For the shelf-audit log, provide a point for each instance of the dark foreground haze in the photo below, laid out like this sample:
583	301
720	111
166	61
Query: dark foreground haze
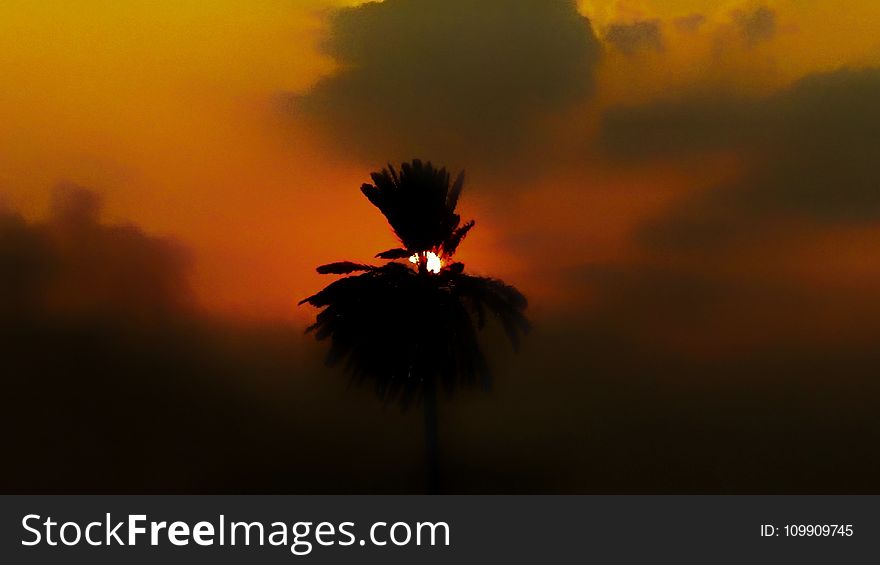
686	191
115	383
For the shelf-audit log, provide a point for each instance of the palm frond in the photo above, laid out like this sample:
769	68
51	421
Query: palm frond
343	268
455	193
450	246
418	203
392	254
503	301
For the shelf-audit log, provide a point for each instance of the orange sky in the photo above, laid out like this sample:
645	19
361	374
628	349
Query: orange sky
167	109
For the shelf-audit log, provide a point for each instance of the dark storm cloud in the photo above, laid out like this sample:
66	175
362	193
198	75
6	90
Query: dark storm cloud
811	150
631	38
450	79
707	270
73	264
690	23
695	123
756	25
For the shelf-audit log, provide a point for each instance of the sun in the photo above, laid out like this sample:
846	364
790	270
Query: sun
433	262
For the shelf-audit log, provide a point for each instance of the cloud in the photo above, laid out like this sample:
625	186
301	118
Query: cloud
631	38
756	25
743	262
450	80
72	264
811	150
690	23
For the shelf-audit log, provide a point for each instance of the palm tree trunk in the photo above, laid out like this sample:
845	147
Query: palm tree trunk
431	439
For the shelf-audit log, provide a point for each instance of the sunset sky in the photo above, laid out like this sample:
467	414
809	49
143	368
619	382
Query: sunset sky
621	155
687	191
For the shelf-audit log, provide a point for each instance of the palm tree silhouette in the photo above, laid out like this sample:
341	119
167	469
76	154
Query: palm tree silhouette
411	324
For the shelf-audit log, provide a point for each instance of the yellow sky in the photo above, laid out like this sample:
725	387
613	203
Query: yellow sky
165	107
